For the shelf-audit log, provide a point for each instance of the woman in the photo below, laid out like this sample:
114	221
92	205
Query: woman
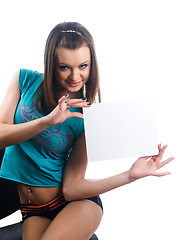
42	125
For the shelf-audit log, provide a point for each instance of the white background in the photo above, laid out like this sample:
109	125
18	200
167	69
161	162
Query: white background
137	49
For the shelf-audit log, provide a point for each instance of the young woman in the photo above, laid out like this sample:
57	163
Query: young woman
42	128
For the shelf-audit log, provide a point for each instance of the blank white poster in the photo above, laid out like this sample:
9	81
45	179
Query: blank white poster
122	129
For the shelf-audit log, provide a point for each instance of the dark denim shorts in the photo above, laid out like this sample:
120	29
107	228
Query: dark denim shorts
51	209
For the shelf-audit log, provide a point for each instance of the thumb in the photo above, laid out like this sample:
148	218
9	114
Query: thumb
161	174
76	114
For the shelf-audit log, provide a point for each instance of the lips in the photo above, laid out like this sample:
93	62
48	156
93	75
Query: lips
74	84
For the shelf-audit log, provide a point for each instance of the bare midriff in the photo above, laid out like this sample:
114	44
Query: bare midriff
37	195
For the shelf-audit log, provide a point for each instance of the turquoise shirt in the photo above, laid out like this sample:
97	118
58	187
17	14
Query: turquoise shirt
39	161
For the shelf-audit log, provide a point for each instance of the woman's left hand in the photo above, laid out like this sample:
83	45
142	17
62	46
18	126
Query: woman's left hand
148	166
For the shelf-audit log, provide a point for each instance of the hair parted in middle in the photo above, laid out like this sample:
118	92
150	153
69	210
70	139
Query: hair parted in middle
70	35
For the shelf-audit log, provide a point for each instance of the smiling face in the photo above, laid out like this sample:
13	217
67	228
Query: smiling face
72	69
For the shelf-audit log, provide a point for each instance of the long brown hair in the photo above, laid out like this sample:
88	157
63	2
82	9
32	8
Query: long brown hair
70	35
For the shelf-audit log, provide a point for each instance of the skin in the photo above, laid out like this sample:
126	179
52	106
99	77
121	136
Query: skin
72	70
82	216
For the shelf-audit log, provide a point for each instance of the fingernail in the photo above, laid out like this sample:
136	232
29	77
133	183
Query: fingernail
89	104
84	98
66	94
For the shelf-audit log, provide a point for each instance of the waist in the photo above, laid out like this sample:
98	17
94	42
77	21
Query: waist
37	195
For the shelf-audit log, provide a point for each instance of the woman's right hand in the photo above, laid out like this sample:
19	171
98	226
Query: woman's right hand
11	134
61	112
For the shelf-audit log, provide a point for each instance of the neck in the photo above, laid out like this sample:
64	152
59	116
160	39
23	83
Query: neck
72	95
75	95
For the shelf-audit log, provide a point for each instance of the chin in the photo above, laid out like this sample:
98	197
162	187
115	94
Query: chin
74	89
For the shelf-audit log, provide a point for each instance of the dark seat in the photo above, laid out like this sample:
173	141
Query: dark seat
11	232
9	203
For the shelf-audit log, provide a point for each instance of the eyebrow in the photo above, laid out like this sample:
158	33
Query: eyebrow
62	63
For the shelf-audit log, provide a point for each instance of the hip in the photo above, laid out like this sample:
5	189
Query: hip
51	209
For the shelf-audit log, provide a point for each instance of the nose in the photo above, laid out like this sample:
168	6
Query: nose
75	75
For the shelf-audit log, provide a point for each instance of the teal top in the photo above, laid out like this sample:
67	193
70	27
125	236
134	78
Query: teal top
39	161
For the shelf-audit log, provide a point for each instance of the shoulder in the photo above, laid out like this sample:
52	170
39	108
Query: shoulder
27	78
28	73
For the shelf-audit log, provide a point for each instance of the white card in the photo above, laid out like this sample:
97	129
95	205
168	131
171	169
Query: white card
116	130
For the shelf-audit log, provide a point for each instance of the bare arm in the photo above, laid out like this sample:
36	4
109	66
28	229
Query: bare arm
75	186
11	133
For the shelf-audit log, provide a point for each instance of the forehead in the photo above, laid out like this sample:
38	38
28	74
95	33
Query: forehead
73	56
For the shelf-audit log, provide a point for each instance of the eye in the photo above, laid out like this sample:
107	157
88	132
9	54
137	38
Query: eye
63	68
83	66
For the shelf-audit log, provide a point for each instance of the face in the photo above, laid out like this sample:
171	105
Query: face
72	69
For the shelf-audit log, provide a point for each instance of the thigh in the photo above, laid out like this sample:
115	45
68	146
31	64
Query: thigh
77	221
34	227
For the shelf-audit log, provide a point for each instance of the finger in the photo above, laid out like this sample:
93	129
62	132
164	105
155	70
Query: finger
161	153
63	98
75	101
145	158
162	164
161	174
81	105
62	102
153	157
78	103
67	102
159	147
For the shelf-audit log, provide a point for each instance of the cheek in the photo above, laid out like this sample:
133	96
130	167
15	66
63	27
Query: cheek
61	76
87	74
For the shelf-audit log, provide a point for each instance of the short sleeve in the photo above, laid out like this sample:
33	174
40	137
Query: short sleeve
27	78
